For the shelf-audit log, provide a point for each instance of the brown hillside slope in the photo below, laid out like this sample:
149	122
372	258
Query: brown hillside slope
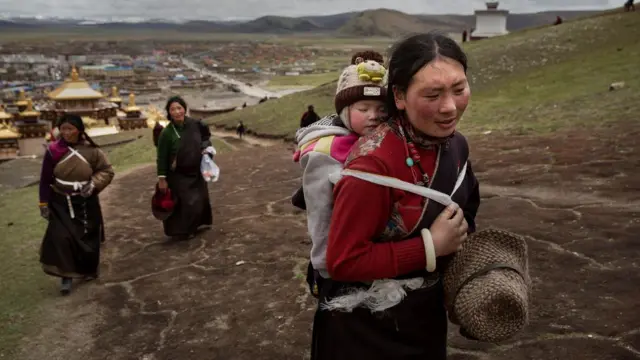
390	23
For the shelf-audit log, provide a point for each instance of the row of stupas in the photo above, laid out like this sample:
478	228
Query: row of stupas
74	96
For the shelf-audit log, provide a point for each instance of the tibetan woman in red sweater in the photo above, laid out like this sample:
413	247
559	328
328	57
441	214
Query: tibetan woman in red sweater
385	299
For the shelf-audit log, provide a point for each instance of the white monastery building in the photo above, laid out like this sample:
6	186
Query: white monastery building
490	22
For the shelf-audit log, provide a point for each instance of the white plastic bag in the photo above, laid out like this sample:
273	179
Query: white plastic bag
210	171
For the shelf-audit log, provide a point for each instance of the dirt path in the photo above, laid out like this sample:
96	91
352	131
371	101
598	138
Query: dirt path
231	139
237	291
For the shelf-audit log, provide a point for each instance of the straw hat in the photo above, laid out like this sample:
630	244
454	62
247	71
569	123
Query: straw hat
487	286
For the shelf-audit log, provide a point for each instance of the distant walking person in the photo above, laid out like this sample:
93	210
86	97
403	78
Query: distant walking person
180	150
157	130
628	6
309	117
464	35
240	129
74	171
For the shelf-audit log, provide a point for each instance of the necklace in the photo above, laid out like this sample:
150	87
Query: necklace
413	159
176	131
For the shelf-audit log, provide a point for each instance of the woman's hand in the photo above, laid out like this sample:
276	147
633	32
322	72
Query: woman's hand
44	212
162	184
449	230
205	152
87	190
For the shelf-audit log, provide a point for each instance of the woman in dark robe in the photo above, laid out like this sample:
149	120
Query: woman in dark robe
74	172
385	299
180	150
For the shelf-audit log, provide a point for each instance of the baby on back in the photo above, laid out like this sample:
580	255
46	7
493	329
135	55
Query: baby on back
324	146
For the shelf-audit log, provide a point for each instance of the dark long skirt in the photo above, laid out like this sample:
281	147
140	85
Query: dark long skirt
415	329
71	246
193	208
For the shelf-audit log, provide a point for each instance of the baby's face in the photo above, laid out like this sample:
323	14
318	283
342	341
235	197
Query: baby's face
366	115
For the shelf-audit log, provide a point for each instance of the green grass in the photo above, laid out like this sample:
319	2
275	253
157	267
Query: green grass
303	80
280	117
122	136
534	81
129	155
24	287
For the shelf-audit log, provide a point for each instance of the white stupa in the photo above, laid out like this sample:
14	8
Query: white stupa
490	22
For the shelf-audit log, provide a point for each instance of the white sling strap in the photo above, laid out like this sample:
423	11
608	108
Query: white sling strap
77	185
386	293
434	195
73	152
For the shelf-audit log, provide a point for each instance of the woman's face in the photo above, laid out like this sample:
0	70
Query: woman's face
69	133
436	98
177	112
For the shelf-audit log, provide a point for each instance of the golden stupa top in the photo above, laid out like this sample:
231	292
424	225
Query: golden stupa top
114	95
4	115
22	98
75	88
7	132
30	111
132	104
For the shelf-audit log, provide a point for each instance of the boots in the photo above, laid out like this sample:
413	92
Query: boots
65	287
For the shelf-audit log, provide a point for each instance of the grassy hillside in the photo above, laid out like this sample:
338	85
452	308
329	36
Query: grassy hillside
381	22
515	21
280	117
279	24
534	80
389	23
303	80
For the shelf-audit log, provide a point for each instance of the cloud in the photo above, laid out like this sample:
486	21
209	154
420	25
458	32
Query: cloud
245	9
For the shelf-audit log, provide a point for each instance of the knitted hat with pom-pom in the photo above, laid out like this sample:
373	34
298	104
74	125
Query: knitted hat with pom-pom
365	80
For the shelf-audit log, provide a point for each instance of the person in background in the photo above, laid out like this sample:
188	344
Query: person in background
180	149
240	129
309	117
74	172
384	297
628	6
157	130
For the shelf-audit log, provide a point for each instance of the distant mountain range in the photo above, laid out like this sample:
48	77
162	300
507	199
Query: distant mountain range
377	22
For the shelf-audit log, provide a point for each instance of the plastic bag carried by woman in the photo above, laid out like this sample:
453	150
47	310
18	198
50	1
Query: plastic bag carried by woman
210	171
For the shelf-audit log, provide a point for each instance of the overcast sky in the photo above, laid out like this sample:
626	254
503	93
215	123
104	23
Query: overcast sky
244	9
